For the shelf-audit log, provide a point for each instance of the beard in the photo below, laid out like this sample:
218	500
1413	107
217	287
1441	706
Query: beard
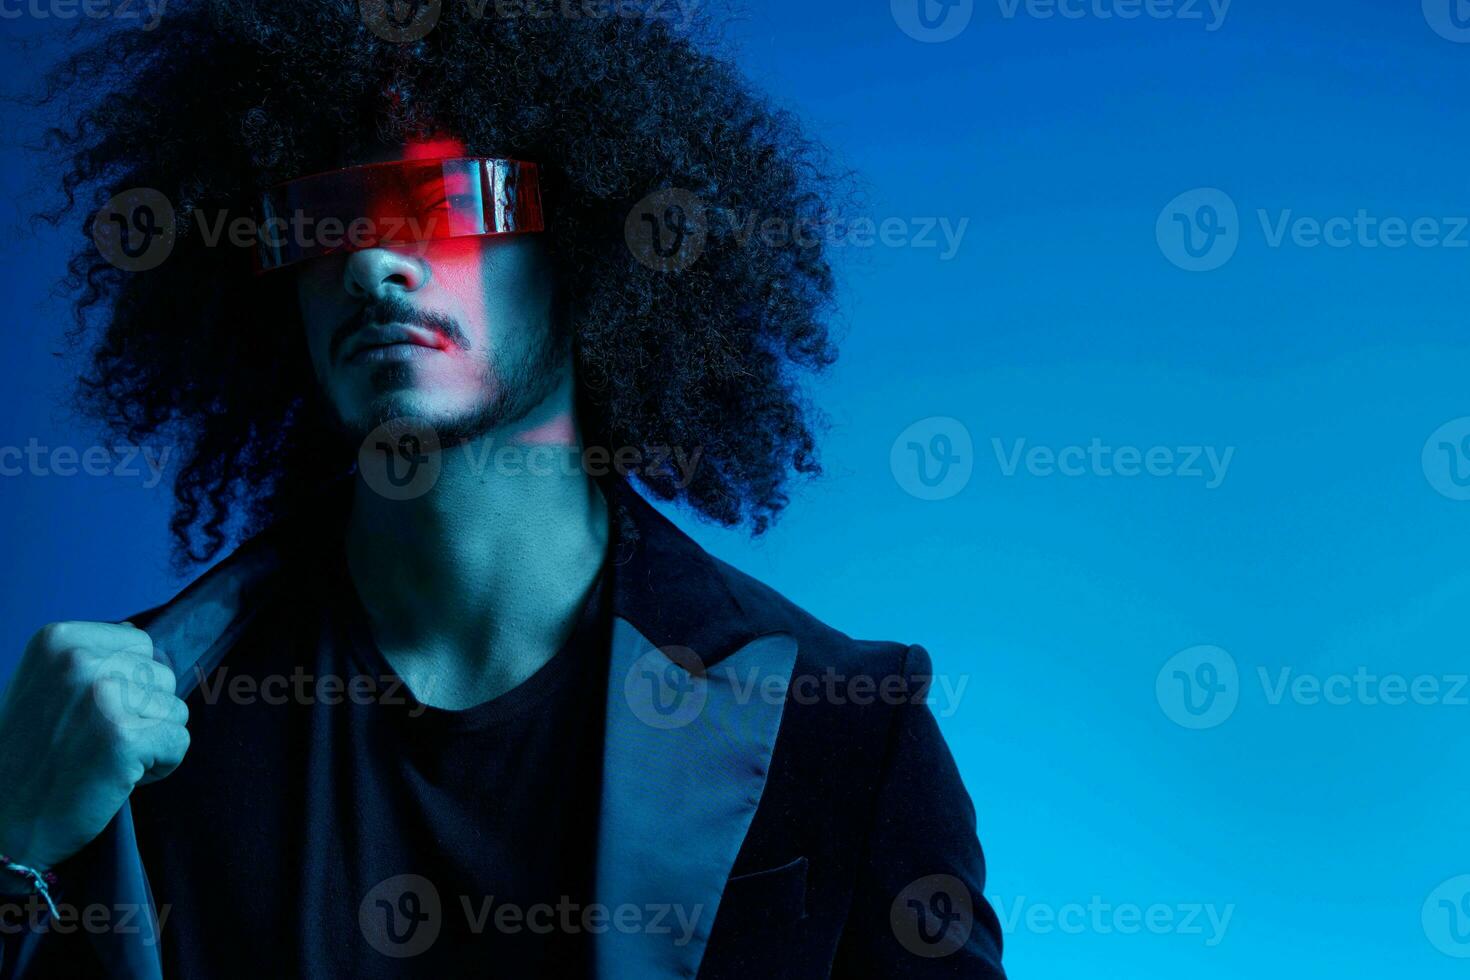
511	389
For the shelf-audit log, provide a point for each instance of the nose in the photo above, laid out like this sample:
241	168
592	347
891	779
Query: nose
375	272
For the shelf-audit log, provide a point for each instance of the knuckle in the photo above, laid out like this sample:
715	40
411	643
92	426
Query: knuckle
163	676
53	636
81	657
172	743
109	687
72	665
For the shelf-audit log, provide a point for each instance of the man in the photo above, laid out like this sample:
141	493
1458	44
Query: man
464	704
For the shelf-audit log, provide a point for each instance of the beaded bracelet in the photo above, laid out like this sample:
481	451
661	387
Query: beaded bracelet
41	881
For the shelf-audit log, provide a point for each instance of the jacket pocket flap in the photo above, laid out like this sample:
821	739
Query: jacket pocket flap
775	894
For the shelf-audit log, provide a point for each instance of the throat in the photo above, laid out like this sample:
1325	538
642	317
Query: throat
456	679
467	603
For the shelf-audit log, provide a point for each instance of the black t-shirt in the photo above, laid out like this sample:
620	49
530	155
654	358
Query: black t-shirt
326	823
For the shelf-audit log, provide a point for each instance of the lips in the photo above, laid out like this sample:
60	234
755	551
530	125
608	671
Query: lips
381	336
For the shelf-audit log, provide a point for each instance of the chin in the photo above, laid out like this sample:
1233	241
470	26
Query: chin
437	422
388	399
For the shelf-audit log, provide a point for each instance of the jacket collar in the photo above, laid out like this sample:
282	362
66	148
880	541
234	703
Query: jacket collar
662	582
669	588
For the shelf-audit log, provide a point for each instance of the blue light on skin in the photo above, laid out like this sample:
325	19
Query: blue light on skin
472	584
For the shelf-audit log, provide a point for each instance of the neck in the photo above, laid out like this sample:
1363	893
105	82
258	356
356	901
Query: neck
477	582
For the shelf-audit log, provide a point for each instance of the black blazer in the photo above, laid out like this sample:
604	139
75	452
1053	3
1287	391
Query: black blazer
781	781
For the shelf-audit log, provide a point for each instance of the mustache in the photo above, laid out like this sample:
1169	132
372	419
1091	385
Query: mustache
388	310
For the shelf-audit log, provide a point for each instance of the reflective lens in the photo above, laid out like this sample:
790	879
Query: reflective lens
399	203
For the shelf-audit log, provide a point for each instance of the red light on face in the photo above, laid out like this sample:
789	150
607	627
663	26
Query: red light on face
417	199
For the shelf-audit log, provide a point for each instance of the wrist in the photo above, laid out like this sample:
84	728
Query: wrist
33	879
18	848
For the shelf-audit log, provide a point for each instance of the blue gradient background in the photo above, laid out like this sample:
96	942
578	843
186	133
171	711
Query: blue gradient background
1326	549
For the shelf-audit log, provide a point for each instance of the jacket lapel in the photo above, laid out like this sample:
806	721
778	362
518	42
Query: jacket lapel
695	699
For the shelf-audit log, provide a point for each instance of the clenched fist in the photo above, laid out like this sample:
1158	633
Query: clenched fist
88	716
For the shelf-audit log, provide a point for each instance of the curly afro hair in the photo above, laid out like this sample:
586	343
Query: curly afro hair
226	97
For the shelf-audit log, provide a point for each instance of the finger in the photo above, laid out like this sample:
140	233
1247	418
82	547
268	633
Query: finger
166	708
136	670
102	637
132	697
163	747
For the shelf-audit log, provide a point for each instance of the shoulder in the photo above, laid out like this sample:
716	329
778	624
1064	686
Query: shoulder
833	669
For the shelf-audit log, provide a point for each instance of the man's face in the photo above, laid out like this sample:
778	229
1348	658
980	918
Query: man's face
457	333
